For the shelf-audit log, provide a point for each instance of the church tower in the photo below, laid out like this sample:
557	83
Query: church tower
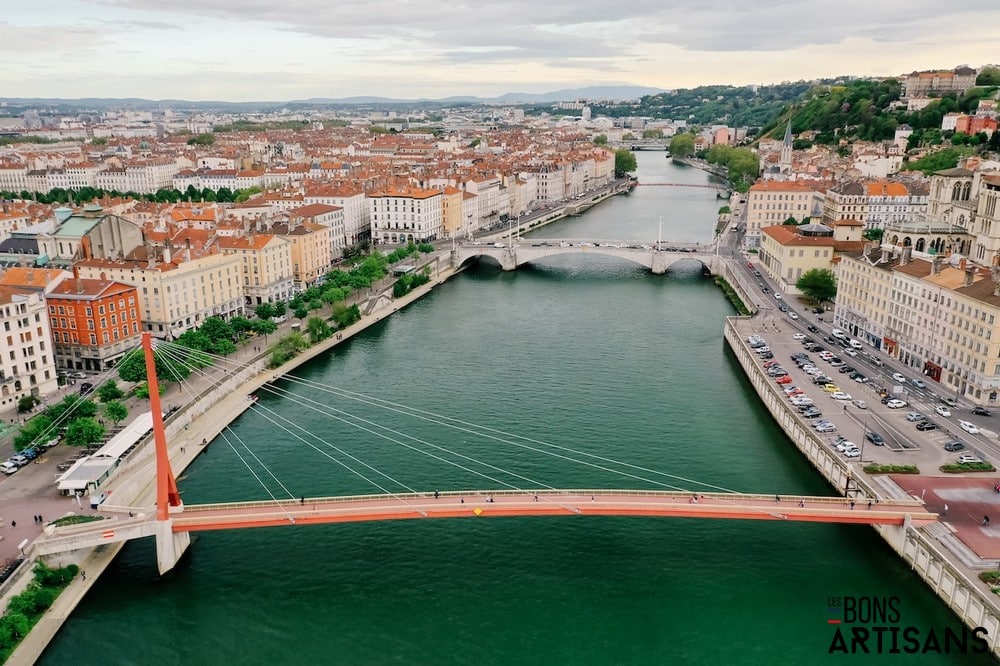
786	150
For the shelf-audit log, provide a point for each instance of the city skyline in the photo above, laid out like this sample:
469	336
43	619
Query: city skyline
223	50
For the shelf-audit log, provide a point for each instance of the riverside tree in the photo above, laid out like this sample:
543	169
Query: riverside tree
819	284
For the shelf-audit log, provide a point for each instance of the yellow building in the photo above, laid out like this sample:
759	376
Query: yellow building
311	245
267	266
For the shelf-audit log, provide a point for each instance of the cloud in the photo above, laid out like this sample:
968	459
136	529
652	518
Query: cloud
48	38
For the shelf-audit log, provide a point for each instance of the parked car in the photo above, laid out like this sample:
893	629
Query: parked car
918	383
777	295
915	417
7	467
840	395
967	458
896	404
982	411
847	368
785	379
927	425
826	427
799	336
970	428
875	438
852	453
19	460
860	404
817	310
831	388
954	446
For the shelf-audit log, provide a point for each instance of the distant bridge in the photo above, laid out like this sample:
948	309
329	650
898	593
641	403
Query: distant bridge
645	254
709	187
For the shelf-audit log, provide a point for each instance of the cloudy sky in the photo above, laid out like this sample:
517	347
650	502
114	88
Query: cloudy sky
243	50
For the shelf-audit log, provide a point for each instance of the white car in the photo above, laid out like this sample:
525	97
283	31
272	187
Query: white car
852	453
860	404
799	336
968	427
792	315
826	427
899	378
840	395
968	458
942	410
826	355
844	445
895	404
851	352
777	295
915	417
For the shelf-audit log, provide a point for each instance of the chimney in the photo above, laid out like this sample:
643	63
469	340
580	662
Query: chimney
935	265
885	255
904	256
970	275
150	255
79	286
166	252
963	262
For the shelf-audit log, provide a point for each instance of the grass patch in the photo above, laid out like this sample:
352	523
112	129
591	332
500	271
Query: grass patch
26	608
74	520
732	295
891	469
956	468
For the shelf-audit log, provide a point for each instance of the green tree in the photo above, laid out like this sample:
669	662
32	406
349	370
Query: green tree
873	234
35	431
264	327
115	411
601	140
819	284
988	76
318	329
264	311
652	134
624	162
301	312
206	139
84	432
26	403
682	145
109	391
791	221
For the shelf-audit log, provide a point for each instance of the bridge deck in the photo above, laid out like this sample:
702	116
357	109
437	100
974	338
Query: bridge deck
479	504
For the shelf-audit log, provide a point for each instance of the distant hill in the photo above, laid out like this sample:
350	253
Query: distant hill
566	95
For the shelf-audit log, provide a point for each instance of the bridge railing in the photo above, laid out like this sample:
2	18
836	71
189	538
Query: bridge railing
594	492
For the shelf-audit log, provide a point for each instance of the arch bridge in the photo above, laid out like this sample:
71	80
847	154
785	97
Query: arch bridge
645	254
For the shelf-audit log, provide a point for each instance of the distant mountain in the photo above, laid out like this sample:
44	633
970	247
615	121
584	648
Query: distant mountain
565	95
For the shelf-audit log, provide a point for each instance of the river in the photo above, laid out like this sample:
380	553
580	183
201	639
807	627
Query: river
592	354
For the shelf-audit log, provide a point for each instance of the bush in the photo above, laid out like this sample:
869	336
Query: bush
24	609
75	520
955	468
891	469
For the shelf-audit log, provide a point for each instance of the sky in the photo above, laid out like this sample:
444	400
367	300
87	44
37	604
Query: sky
268	50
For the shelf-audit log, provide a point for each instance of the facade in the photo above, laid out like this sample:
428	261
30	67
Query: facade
771	202
922	84
27	362
94	323
327	216
406	214
785	254
311	250
940	317
267	266
176	294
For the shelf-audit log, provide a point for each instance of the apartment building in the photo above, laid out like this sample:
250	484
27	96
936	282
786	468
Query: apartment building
267	266
404	214
27	363
94	323
772	202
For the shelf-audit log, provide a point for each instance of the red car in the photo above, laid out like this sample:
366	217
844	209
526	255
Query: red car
749	265
787	379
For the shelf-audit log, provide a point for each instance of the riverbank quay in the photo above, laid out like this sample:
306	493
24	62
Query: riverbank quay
209	405
932	552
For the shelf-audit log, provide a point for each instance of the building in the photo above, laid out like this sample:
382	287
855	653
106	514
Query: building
406	214
267	266
94	323
940	317
922	84
311	249
27	363
772	202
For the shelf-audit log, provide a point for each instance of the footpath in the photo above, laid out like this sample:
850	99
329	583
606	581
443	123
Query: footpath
227	396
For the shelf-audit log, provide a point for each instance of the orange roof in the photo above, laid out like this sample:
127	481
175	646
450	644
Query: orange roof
84	287
255	242
787	234
30	278
886	188
782	186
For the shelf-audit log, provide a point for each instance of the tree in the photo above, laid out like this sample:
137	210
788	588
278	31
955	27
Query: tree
264	311
301	312
791	221
624	162
988	76
35	431
202	140
84	432
264	327
819	284
115	411
652	134
873	234
318	329
682	145
27	403
109	391
601	140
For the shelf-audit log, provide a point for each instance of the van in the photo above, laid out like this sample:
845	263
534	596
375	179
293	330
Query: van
837	333
874	360
855	344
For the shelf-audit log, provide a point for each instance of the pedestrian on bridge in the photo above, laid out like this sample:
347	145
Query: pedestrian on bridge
986	521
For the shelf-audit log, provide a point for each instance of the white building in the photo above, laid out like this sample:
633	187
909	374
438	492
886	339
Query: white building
27	364
404	214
